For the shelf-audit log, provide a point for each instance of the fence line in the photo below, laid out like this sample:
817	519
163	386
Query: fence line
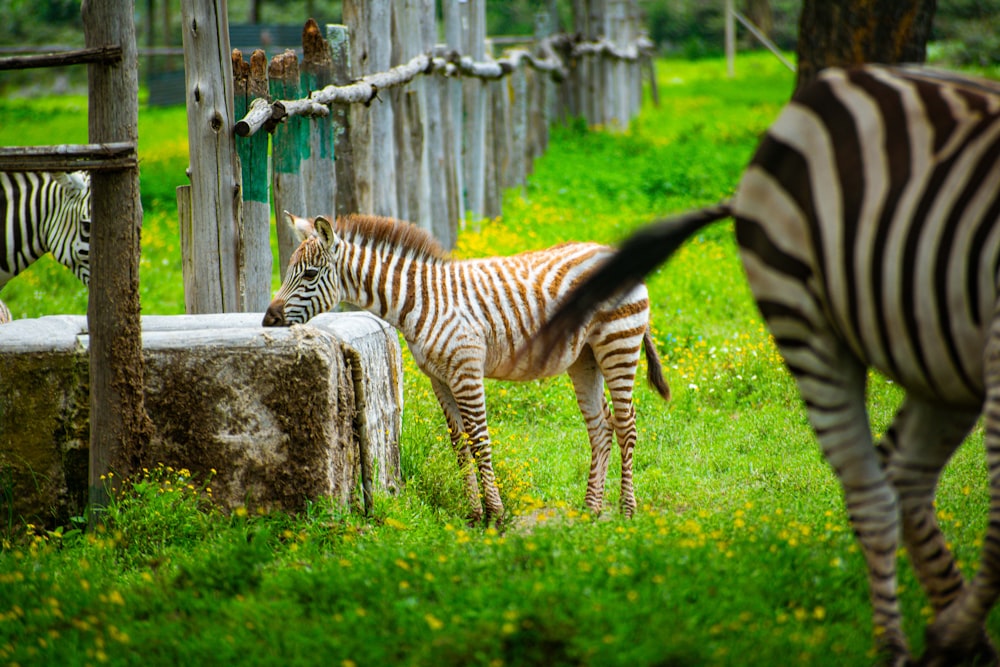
434	135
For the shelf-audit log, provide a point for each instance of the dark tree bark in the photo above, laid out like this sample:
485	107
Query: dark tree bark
851	32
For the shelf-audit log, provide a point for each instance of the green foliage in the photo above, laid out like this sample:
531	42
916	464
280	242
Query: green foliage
740	547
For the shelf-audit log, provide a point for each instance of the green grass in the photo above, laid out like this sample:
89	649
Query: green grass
740	552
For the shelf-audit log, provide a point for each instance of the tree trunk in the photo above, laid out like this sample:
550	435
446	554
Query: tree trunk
119	427
851	32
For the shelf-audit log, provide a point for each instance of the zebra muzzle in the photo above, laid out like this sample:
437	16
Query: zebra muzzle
275	314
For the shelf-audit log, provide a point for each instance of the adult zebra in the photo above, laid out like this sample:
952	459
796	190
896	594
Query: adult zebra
465	320
44	212
868	223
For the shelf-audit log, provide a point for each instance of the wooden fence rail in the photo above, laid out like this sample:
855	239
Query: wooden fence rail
409	128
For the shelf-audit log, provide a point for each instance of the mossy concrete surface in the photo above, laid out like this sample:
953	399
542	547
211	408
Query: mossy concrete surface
281	415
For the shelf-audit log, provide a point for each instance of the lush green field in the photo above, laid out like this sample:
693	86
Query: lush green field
740	553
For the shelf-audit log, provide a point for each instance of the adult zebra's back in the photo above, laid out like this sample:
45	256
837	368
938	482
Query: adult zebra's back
868	223
44	212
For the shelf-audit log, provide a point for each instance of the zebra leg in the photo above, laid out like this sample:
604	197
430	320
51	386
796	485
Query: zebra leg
958	633
618	365
471	404
5	315
588	383
832	384
915	450
461	445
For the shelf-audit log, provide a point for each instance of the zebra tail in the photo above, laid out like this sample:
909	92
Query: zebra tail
654	369
637	257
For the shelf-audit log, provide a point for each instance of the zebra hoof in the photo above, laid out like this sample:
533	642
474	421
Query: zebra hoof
977	652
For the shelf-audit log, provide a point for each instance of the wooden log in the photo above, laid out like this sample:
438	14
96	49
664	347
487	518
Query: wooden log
289	147
106	55
250	85
215	178
345	193
120	428
114	155
320	174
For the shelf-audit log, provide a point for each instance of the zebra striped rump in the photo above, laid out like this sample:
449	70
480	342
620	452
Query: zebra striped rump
466	320
868	223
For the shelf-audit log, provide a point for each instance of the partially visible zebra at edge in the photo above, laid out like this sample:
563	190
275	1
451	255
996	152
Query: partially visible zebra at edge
44	212
464	320
868	223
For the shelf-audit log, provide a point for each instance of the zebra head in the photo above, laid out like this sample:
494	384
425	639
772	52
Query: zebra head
68	229
312	281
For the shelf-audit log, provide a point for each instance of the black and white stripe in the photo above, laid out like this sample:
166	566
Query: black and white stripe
467	320
868	223
44	212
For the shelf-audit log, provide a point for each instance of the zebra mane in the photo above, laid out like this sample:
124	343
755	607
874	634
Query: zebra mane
397	235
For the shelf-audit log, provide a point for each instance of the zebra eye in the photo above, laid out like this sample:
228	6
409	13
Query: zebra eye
310	273
85	224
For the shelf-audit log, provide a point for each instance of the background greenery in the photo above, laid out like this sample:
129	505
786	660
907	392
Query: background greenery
740	552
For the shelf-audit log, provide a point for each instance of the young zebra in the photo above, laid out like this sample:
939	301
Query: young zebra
44	212
868	223
464	320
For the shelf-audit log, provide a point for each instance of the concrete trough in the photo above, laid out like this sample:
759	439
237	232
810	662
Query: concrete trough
282	415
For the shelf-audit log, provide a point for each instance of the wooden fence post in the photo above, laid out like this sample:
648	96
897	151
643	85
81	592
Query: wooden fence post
119	426
320	174
455	14
410	108
476	111
250	83
345	193
215	183
443	209
370	24
546	91
289	147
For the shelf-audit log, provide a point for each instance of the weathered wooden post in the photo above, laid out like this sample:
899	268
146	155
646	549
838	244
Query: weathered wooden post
119	427
289	147
444	194
546	89
413	188
455	16
345	193
369	22
250	83
212	281
476	112
320	174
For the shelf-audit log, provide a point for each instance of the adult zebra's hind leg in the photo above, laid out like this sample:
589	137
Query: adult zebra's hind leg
958	633
588	383
915	450
460	443
832	384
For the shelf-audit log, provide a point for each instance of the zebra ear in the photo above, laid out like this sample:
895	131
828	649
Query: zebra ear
303	227
76	182
324	230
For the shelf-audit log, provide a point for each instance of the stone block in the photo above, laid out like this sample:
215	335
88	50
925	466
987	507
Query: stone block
282	415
